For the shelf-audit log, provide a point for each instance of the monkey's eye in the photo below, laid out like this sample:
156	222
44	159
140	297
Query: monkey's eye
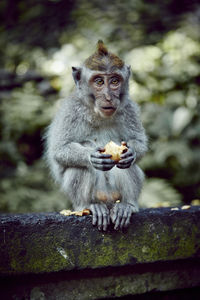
99	81
115	81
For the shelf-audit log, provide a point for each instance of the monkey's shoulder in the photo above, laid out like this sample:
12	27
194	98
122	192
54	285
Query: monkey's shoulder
131	112
69	120
132	107
132	120
70	110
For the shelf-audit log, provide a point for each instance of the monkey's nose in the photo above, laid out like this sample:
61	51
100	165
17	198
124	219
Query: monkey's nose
108	96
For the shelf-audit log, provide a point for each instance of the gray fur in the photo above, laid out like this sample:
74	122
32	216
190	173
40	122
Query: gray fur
74	134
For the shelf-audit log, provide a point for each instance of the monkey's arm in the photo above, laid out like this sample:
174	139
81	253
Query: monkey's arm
73	155
139	145
77	155
65	144
137	139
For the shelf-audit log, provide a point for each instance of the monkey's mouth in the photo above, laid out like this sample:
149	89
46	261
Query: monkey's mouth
108	110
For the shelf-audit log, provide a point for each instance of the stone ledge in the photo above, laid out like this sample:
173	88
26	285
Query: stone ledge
50	242
145	280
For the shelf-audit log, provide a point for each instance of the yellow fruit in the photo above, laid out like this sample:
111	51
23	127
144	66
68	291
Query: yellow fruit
115	150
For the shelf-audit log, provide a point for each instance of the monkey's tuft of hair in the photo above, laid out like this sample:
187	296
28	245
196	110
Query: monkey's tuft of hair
103	60
101	48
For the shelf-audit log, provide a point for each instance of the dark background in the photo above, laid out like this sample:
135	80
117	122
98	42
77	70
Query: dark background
41	40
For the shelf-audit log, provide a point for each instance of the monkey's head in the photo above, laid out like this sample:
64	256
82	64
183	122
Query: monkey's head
102	81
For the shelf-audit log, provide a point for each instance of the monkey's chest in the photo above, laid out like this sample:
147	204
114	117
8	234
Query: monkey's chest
102	137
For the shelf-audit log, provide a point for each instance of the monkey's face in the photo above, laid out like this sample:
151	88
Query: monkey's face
106	89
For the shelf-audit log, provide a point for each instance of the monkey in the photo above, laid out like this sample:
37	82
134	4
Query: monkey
99	110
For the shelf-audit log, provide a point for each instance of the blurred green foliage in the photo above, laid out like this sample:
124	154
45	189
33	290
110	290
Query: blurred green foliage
41	40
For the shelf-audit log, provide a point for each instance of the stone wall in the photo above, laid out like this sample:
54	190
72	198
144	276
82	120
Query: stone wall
51	256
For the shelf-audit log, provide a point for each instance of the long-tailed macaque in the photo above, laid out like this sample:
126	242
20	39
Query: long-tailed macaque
99	111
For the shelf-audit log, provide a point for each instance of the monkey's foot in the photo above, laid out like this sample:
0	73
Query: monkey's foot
101	216
121	214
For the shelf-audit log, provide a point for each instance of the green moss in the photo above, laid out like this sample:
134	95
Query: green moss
148	246
47	249
30	256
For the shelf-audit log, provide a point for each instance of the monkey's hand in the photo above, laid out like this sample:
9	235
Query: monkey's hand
121	214
101	216
101	161
126	159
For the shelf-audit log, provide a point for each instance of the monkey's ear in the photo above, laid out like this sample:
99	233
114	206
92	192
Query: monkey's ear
76	73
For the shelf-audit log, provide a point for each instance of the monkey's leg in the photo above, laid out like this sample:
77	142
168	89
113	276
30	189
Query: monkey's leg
129	183
79	185
101	215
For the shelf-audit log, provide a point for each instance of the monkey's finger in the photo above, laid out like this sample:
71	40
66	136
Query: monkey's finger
107	161
105	221
100	218
106	217
94	219
125	155
107	213
128	219
124	218
102	164
101	214
102	161
130	152
123	166
118	219
113	214
127	158
103	167
94	214
125	162
100	155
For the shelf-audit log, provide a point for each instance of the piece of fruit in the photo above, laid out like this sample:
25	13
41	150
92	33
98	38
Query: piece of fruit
115	150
